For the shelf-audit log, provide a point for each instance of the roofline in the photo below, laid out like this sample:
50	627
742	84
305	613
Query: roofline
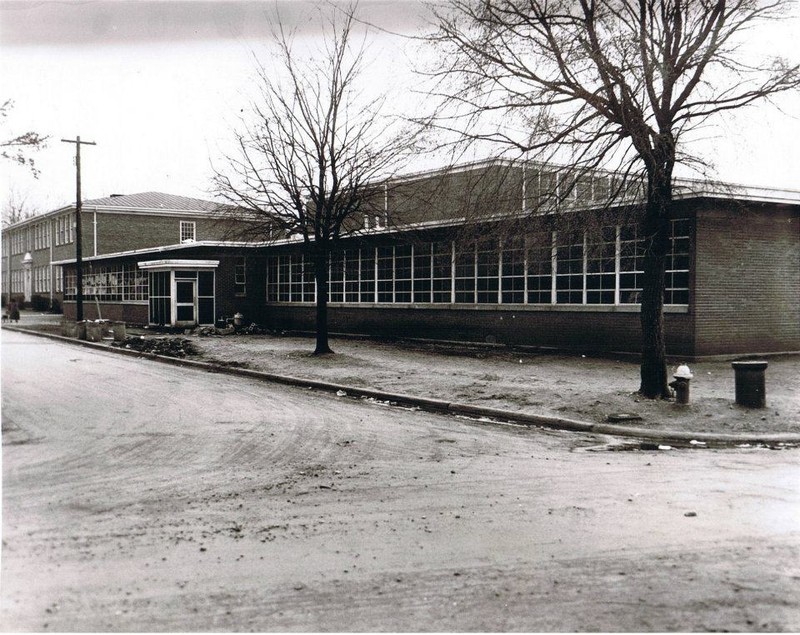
111	209
163	248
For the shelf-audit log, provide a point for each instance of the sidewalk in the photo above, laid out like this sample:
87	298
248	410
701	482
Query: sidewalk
573	387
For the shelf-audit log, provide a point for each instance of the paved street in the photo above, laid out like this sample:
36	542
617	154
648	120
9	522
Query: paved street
141	496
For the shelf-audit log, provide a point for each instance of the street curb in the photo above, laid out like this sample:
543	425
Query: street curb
442	407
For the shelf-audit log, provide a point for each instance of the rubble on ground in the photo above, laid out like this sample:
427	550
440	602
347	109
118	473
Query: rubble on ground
167	346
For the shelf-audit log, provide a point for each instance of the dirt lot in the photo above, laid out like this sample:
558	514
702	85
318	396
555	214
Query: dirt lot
584	388
574	386
142	497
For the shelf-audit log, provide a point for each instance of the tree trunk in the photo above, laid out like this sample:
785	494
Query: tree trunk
656	228
321	277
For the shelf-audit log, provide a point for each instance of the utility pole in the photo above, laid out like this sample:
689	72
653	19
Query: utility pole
78	227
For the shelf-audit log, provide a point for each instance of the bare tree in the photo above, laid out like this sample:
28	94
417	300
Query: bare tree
618	83
17	208
15	148
312	152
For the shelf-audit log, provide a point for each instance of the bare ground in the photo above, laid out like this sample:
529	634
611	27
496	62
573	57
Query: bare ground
574	386
585	388
139	497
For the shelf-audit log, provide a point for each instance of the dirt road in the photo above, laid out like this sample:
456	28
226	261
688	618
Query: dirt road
138	496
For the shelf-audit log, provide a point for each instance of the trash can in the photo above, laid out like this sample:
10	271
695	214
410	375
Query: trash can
94	331
120	331
751	390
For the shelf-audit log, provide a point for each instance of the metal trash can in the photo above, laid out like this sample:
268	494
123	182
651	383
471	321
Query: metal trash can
751	390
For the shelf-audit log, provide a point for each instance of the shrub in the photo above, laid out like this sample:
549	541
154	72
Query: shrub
40	302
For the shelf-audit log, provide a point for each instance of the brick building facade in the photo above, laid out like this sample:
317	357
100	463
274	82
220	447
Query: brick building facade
733	271
111	224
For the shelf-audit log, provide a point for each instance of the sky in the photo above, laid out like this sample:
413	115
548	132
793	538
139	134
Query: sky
158	86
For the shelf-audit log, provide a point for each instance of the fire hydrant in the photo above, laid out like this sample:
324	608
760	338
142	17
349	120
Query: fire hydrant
681	384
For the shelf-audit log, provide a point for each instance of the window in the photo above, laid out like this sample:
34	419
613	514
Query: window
290	278
18	241
601	249
602	266
487	280
351	274
676	287
16	282
187	231
385	267
539	260
41	280
513	270
465	273
402	273
442	260
367	279
336	277
569	267
64	229
108	283
240	277
160	297
58	275
41	235
295	277
422	272
631	265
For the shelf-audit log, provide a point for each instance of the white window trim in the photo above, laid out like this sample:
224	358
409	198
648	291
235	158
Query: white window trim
186	224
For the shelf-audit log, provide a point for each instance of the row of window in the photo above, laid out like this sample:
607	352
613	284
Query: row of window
544	268
65	229
17	282
38	236
41	236
19	242
539	185
110	283
41	279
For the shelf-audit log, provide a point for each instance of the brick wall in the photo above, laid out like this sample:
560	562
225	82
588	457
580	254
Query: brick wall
590	331
747	280
124	232
128	313
252	302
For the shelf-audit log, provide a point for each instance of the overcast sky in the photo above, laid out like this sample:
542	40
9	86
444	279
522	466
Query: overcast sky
158	86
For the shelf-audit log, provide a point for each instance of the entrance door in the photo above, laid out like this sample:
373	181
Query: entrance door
185	302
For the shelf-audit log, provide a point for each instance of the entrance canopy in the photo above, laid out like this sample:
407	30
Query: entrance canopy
181	291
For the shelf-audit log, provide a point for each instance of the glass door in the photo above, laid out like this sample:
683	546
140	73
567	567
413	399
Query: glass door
185	301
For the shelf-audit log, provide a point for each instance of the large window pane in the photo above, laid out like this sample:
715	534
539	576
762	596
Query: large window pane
513	270
569	267
540	267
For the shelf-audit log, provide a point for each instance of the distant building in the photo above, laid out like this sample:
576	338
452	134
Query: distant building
446	255
111	224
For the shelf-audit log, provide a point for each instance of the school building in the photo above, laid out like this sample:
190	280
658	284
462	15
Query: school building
109	225
479	254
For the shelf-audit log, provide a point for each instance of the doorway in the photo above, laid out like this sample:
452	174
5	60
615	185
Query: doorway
185	302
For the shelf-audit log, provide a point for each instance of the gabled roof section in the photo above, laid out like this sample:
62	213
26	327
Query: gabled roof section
153	200
147	203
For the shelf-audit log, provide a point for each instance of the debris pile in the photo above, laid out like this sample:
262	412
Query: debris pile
252	329
167	346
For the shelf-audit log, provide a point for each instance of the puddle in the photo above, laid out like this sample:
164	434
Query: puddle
650	446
